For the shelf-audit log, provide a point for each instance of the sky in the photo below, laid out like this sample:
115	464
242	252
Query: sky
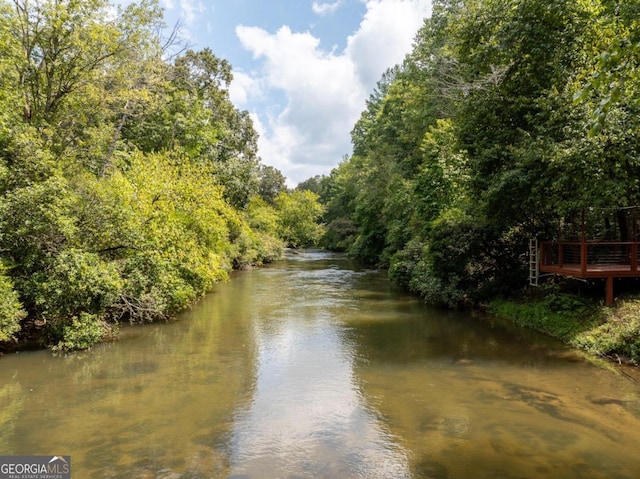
303	69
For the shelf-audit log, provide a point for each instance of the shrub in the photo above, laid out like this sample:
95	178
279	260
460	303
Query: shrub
618	336
471	260
78	332
11	311
75	281
405	263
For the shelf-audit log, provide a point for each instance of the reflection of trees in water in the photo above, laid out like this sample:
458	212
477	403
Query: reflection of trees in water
307	416
496	419
472	397
11	403
159	401
402	329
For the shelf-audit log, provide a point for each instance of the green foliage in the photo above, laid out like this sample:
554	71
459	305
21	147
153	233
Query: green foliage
613	77
609	332
339	200
406	263
78	332
11	312
313	184
272	183
456	256
239	178
189	110
170	228
126	180
36	223
617	338
298	215
442	178
339	235
74	281
559	314
479	141
257	238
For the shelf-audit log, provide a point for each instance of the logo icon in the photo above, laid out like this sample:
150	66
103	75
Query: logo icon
35	467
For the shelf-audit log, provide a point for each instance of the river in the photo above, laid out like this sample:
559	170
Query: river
317	368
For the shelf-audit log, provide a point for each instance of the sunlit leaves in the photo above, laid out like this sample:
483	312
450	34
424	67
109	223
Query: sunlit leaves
125	176
11	311
62	46
298	212
613	77
169	220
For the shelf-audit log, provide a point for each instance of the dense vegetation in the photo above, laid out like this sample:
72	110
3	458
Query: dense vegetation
129	183
506	118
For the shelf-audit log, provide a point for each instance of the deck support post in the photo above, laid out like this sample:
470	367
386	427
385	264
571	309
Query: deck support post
583	246
634	244
609	300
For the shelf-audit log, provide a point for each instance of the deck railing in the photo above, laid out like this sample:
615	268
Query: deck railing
590	256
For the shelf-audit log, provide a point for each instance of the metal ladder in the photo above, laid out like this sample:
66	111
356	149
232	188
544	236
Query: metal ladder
534	264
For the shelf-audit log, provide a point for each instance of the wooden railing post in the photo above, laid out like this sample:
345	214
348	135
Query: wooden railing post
634	256
560	255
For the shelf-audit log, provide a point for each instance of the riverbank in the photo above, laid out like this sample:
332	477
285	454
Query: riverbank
609	332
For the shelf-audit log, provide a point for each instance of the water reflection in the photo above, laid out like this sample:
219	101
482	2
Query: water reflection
159	403
308	417
317	368
472	401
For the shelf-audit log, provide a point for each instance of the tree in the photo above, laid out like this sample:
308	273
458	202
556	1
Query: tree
474	143
125	179
338	199
313	184
614	75
272	183
11	311
61	45
298	212
195	115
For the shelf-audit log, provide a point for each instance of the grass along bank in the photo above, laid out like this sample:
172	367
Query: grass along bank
582	322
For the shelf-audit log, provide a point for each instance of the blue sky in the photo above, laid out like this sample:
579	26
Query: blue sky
302	68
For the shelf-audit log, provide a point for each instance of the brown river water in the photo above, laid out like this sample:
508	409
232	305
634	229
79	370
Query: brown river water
317	368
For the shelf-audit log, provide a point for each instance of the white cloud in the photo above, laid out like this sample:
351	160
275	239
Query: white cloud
189	9
243	88
325	8
325	91
385	36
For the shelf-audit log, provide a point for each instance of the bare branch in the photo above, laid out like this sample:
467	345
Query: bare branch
174	42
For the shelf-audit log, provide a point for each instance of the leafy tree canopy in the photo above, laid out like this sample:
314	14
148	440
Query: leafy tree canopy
505	118
129	183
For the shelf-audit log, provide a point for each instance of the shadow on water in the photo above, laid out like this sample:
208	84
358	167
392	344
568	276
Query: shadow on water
318	367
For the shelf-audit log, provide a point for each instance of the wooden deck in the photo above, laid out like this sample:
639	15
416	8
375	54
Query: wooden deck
591	259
